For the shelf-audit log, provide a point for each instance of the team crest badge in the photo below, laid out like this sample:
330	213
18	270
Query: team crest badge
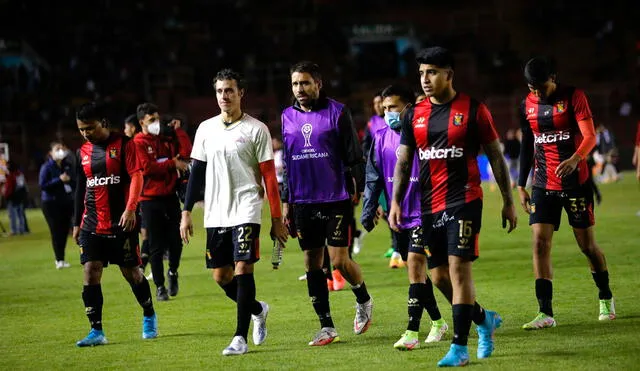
457	119
560	107
149	149
113	152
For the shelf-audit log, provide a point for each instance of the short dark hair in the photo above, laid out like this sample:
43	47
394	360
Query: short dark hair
307	67
405	94
90	112
538	70
133	121
146	109
229	74
437	56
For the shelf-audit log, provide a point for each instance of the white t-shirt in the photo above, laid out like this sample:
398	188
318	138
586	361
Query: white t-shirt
278	161
233	189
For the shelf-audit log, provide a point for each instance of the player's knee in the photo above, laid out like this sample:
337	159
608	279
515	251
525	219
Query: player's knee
541	245
341	262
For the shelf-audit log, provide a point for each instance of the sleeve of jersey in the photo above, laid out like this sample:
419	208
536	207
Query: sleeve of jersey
137	180
372	190
351	150
195	184
148	164
81	189
638	135
486	127
406	134
526	150
581	107
268	170
588	137
184	142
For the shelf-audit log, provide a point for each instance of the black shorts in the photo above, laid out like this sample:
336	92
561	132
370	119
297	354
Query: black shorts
323	224
121	249
227	245
546	207
454	231
409	240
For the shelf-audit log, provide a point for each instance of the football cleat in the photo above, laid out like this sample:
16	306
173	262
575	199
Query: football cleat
408	341
541	321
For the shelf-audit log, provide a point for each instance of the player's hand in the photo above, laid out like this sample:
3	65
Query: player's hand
181	164
525	199
65	178
395	216
509	214
355	198
567	166
278	230
127	220
186	226
76	235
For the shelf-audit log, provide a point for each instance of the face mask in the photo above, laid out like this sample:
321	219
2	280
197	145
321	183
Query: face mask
392	119
154	128
59	154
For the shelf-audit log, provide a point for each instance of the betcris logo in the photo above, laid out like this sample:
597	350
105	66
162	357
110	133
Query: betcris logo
552	137
440	154
109	180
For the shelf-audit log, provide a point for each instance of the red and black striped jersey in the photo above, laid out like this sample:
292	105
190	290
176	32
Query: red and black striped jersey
448	138
104	176
553	124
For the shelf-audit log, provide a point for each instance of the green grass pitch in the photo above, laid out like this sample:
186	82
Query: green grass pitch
42	315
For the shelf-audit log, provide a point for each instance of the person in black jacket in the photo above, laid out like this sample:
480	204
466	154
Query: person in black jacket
56	182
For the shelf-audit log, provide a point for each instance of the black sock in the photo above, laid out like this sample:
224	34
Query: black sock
142	291
544	293
428	300
246	298
362	296
92	297
478	314
462	314
414	306
326	264
602	281
231	289
319	294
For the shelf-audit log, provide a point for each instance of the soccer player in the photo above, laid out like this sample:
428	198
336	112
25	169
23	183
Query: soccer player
558	131
379	180
447	130
320	143
131	129
231	156
108	186
162	153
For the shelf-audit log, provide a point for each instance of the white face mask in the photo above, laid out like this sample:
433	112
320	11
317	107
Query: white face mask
154	128
59	154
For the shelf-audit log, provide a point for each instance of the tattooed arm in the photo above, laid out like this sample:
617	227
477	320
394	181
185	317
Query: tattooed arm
500	170
402	170
491	145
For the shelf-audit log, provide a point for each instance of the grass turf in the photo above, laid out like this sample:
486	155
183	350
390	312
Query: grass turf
41	310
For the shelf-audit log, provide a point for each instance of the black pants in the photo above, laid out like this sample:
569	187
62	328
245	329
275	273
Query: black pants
58	215
162	219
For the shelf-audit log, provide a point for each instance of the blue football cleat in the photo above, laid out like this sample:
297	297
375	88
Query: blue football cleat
95	337
486	331
150	327
457	356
